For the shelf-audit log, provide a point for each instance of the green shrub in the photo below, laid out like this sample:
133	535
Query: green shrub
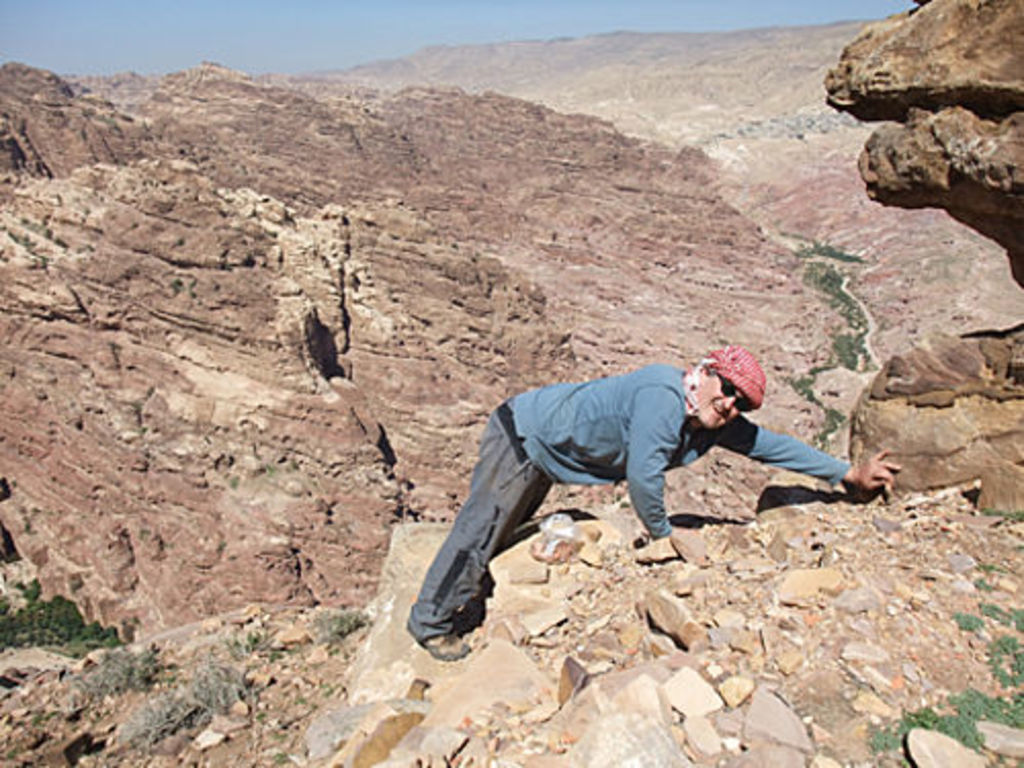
967	622
253	642
161	717
217	686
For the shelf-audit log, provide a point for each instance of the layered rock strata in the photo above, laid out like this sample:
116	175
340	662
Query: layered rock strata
185	371
46	131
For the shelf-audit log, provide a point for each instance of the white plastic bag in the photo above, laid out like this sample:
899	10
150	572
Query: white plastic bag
560	538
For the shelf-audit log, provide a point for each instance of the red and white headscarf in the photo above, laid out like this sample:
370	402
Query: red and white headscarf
733	363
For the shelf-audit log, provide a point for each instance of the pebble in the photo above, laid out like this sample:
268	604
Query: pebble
865	652
736	690
208	739
960	563
690	694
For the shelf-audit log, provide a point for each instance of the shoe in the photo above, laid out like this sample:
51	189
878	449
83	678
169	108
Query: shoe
445	647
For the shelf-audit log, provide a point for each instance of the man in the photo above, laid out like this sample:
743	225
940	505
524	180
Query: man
632	427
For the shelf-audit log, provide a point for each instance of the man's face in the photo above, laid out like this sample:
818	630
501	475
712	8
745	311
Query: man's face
716	408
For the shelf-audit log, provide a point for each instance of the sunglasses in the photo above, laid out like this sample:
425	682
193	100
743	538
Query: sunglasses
729	390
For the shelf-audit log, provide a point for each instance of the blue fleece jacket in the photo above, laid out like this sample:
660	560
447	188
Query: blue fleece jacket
633	427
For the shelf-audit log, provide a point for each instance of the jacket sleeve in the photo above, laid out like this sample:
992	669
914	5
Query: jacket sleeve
653	437
781	450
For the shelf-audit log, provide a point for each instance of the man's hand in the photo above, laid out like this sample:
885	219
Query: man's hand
873	474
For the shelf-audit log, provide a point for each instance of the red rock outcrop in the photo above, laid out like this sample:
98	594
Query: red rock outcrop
951	73
953	412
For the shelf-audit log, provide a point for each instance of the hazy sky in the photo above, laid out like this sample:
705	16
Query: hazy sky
256	36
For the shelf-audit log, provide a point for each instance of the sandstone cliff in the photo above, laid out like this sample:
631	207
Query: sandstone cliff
951	75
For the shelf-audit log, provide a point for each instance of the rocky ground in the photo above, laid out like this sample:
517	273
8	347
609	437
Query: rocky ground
798	637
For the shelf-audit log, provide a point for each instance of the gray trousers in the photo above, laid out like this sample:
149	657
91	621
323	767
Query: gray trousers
506	490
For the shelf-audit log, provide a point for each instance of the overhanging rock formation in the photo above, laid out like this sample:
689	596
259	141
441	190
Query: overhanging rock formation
951	75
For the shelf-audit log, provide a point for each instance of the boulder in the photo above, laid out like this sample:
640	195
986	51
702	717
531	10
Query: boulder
950	411
627	740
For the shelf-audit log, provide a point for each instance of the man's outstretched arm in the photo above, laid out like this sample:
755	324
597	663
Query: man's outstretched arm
781	450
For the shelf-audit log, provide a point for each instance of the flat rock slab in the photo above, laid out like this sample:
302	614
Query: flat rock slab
931	749
691	694
33	657
1002	739
806	583
627	741
498	674
389	660
770	721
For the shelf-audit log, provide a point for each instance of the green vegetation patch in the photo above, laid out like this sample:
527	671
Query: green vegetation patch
1013	516
804	386
848	348
57	623
959	716
958	720
1006	660
242	647
967	622
1014	618
824	250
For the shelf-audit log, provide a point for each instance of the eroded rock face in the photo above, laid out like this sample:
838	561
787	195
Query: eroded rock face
952	412
951	74
192	381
